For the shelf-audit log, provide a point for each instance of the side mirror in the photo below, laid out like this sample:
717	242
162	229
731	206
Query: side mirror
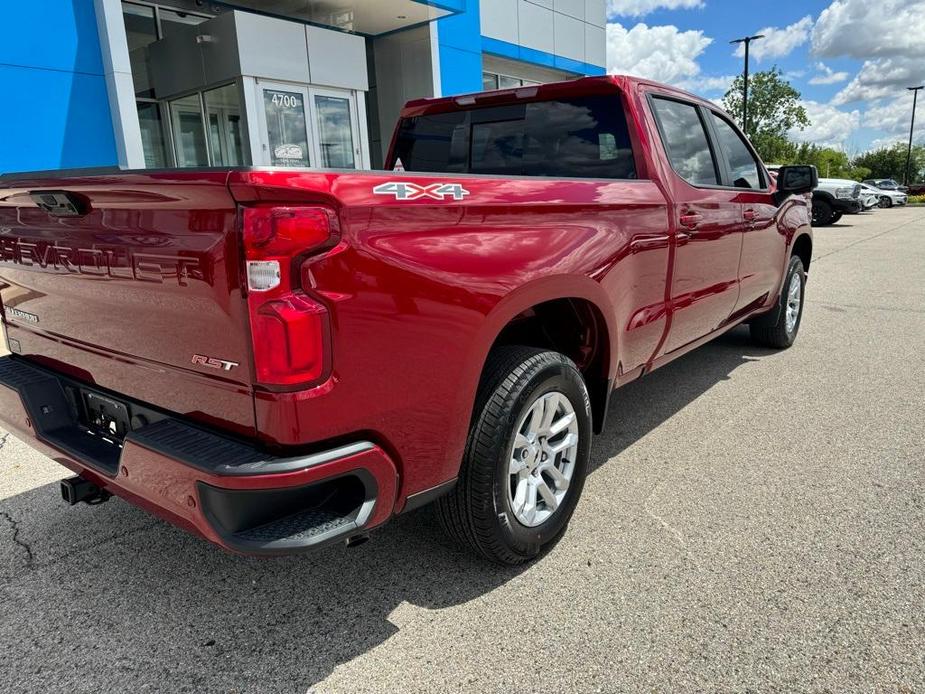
795	180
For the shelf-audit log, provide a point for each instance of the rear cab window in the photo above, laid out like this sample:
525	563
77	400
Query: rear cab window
580	137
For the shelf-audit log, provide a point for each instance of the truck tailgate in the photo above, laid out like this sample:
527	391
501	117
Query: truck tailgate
131	282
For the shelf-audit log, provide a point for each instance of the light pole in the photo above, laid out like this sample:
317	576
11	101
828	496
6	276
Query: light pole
747	41
915	98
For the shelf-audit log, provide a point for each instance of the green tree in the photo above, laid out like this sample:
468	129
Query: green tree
831	163
890	162
773	109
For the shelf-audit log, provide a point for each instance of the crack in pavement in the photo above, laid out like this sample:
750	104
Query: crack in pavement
3	439
679	536
14	525
889	309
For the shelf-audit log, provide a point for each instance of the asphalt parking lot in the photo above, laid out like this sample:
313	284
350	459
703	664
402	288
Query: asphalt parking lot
754	521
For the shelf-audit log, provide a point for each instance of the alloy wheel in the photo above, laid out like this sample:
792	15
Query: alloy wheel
543	458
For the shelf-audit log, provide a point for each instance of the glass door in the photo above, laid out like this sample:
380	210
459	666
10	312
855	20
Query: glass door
284	124
188	132
334	124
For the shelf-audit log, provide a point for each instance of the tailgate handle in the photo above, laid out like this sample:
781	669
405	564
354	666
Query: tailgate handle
61	203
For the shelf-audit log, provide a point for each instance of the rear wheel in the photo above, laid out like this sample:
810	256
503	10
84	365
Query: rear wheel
526	458
822	213
835	217
779	328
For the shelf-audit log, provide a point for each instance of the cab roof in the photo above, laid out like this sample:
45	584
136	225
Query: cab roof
553	90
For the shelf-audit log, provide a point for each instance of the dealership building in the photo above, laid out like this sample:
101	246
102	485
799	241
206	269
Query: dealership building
183	83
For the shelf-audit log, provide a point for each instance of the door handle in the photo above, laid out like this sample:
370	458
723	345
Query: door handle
750	215
690	220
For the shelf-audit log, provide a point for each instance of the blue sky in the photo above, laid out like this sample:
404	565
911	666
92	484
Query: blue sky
850	59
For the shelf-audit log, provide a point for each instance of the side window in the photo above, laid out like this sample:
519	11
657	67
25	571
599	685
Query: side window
746	173
686	141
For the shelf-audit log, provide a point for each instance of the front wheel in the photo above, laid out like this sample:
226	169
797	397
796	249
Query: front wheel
526	457
822	213
886	201
779	328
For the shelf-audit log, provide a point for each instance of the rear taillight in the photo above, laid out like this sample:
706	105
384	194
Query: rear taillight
289	328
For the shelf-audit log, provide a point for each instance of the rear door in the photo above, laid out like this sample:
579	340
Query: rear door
131	282
763	246
708	224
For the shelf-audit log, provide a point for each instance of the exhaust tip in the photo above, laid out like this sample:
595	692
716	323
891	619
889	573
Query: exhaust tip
357	540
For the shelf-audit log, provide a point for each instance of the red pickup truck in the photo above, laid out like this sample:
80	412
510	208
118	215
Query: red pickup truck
277	359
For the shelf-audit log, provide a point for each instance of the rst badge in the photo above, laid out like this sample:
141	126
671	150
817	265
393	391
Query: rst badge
403	190
213	363
23	315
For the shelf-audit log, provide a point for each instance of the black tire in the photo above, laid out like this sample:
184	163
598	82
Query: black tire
822	213
886	201
835	217
771	330
478	512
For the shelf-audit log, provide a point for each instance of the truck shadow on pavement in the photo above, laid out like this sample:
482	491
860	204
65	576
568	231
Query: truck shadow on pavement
114	599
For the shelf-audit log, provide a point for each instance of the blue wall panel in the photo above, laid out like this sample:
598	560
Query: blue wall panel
460	45
56	109
530	55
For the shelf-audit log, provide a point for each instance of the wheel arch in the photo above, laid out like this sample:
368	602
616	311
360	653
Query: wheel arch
803	247
570	315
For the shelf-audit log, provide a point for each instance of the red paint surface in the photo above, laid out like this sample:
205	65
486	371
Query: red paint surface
417	290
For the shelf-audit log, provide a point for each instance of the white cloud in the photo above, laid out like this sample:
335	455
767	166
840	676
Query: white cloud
708	85
661	53
883	77
829	126
864	29
894	117
778	42
827	75
638	8
885	143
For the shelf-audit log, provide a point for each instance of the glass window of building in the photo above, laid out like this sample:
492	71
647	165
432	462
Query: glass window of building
152	134
189	137
335	131
145	25
223	111
493	80
286	132
141	31
174	23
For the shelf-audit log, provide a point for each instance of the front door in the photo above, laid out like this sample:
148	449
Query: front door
334	123
708	226
284	125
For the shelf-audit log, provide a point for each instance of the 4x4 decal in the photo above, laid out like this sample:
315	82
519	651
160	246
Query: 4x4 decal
402	190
